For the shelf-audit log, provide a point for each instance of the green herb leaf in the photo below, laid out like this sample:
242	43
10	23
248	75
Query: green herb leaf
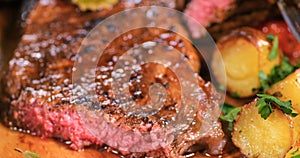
226	108
270	37
277	74
265	109
296	156
274	51
234	95
294	152
28	154
230	114
264	81
265	106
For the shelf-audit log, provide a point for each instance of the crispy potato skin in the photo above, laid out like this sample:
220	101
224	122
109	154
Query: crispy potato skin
288	89
294	151
245	52
261	138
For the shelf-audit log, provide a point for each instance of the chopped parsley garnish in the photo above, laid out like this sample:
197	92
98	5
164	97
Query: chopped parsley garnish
277	74
226	108
266	102
230	114
296	156
274	51
28	154
294	152
234	95
270	37
264	81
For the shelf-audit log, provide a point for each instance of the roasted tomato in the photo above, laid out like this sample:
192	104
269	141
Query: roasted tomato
287	42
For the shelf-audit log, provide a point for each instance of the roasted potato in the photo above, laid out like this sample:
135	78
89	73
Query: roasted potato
288	89
245	52
257	137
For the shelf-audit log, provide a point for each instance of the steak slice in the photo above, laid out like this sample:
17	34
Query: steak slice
220	17
38	85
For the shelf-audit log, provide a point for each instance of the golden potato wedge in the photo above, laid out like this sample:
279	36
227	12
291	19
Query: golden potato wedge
288	89
94	5
294	152
245	52
261	138
296	126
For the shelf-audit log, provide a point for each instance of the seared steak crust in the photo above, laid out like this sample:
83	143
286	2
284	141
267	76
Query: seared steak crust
220	17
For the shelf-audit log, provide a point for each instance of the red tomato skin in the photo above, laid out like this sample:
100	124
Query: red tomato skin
287	42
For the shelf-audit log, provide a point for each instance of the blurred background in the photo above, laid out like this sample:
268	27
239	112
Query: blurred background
12	16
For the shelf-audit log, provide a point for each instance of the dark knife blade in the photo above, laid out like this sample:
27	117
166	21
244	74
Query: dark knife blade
291	15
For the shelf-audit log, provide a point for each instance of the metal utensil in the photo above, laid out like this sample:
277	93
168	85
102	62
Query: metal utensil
291	15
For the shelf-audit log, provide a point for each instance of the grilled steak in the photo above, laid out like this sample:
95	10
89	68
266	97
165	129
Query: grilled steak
38	85
220	17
